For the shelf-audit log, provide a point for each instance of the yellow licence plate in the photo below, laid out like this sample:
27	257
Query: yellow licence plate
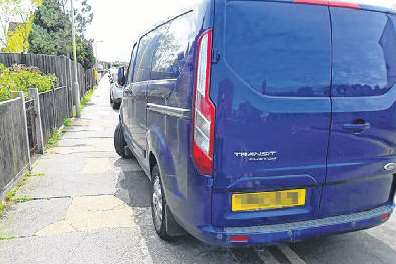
268	200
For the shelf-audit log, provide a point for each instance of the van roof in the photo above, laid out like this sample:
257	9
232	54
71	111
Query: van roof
386	6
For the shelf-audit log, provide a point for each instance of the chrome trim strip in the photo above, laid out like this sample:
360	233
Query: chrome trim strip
168	110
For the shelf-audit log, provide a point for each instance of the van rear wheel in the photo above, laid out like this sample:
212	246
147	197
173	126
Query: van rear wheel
116	106
120	144
164	223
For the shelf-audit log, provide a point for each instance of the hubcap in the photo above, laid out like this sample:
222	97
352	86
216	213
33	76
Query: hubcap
157	203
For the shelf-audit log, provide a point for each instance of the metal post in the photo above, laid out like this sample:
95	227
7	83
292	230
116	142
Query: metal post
97	53
34	93
66	84
76	85
22	96
70	85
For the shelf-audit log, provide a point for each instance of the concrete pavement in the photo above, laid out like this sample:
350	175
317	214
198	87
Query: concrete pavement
90	206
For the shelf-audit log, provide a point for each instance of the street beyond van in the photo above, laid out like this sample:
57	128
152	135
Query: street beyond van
261	122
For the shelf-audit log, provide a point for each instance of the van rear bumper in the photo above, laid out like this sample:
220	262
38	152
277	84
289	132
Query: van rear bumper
292	232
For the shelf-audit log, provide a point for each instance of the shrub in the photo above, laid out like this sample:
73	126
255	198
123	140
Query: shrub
21	78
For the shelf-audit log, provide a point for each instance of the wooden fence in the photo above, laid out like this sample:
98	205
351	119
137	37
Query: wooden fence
26	127
54	110
14	147
61	66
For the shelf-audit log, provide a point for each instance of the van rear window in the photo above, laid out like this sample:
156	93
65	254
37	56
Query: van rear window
279	49
364	44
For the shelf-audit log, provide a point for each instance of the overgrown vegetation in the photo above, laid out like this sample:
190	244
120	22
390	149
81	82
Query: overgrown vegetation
51	31
6	237
2	208
44	27
21	78
18	39
57	134
67	122
11	196
54	139
16	19
86	98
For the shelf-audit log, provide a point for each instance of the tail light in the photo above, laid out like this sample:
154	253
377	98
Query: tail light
203	108
329	3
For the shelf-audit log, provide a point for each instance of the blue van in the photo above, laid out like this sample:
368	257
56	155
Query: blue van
265	121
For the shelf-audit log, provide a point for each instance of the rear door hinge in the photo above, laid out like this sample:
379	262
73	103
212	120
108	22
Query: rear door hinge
210	182
216	56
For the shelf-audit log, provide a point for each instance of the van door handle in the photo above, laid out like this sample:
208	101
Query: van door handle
356	128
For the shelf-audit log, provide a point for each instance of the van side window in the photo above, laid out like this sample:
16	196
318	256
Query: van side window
279	49
364	53
144	58
174	41
131	64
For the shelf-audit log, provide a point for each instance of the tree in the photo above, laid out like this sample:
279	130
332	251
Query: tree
51	32
16	23
84	17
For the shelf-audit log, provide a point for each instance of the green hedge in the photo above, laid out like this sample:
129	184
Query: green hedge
21	78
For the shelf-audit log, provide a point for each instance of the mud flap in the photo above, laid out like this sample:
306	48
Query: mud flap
172	227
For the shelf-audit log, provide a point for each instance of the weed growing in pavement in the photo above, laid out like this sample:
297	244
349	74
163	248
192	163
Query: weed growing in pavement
23	199
11	196
5	237
85	100
57	134
2	208
67	122
54	139
39	174
87	97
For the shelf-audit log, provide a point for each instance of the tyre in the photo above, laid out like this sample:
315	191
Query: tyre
164	223
116	106
120	144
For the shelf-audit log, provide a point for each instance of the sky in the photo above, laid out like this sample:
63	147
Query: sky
118	23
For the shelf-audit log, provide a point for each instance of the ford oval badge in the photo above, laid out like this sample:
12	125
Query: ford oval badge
390	167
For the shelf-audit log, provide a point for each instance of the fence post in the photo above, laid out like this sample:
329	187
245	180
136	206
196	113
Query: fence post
54	113
65	83
22	96
34	93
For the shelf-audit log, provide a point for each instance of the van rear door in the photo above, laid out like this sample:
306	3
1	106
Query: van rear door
363	130
271	89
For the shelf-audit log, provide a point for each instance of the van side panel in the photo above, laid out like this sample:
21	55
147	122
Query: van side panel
271	88
169	135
